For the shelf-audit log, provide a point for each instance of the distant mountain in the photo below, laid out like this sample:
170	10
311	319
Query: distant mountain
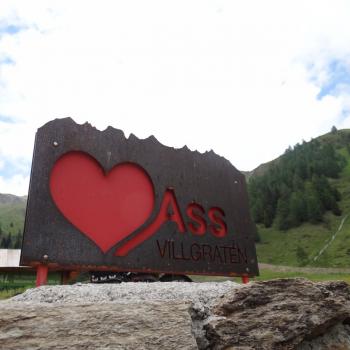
10	199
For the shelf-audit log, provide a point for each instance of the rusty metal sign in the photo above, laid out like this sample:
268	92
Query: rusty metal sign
101	201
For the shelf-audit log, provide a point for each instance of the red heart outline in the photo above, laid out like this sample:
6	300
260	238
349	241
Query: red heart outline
105	207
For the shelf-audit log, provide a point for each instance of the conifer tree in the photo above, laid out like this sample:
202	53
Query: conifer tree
296	188
18	241
297	209
268	216
3	243
9	241
283	214
314	207
301	255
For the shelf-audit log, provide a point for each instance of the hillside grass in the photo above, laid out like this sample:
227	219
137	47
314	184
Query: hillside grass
280	248
316	277
267	274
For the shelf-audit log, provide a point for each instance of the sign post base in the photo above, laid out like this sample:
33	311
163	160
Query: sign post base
245	279
41	275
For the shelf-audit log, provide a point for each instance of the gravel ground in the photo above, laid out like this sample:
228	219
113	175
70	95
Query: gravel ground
202	293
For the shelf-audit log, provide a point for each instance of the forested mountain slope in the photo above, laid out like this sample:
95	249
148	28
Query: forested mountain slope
300	201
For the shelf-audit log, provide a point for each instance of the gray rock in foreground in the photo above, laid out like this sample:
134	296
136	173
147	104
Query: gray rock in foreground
197	296
204	293
282	314
97	326
278	314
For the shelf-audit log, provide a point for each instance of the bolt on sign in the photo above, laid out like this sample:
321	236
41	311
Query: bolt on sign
101	201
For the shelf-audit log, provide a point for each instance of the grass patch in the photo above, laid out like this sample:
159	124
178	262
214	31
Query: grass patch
266	275
13	284
280	248
9	293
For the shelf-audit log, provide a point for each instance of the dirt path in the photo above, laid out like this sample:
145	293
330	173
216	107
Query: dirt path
330	241
280	268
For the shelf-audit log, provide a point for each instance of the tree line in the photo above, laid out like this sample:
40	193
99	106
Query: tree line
9	240
296	187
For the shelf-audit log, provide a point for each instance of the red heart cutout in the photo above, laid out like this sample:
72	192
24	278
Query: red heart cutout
105	207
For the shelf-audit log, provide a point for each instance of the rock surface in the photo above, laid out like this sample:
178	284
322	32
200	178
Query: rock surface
278	314
97	326
281	314
337	338
198	297
205	293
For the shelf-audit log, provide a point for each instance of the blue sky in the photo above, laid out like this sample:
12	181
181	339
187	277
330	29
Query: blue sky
11	167
338	79
7	120
10	29
7	60
246	79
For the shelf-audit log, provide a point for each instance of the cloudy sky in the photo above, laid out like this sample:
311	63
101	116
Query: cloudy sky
244	78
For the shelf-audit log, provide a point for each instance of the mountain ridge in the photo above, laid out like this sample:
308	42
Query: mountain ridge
8	198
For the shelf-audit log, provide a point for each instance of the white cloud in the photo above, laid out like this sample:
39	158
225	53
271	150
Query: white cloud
17	184
241	77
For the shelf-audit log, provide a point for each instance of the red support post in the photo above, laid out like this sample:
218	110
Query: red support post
41	275
245	279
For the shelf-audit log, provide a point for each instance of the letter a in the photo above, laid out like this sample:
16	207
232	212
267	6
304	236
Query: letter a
170	211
